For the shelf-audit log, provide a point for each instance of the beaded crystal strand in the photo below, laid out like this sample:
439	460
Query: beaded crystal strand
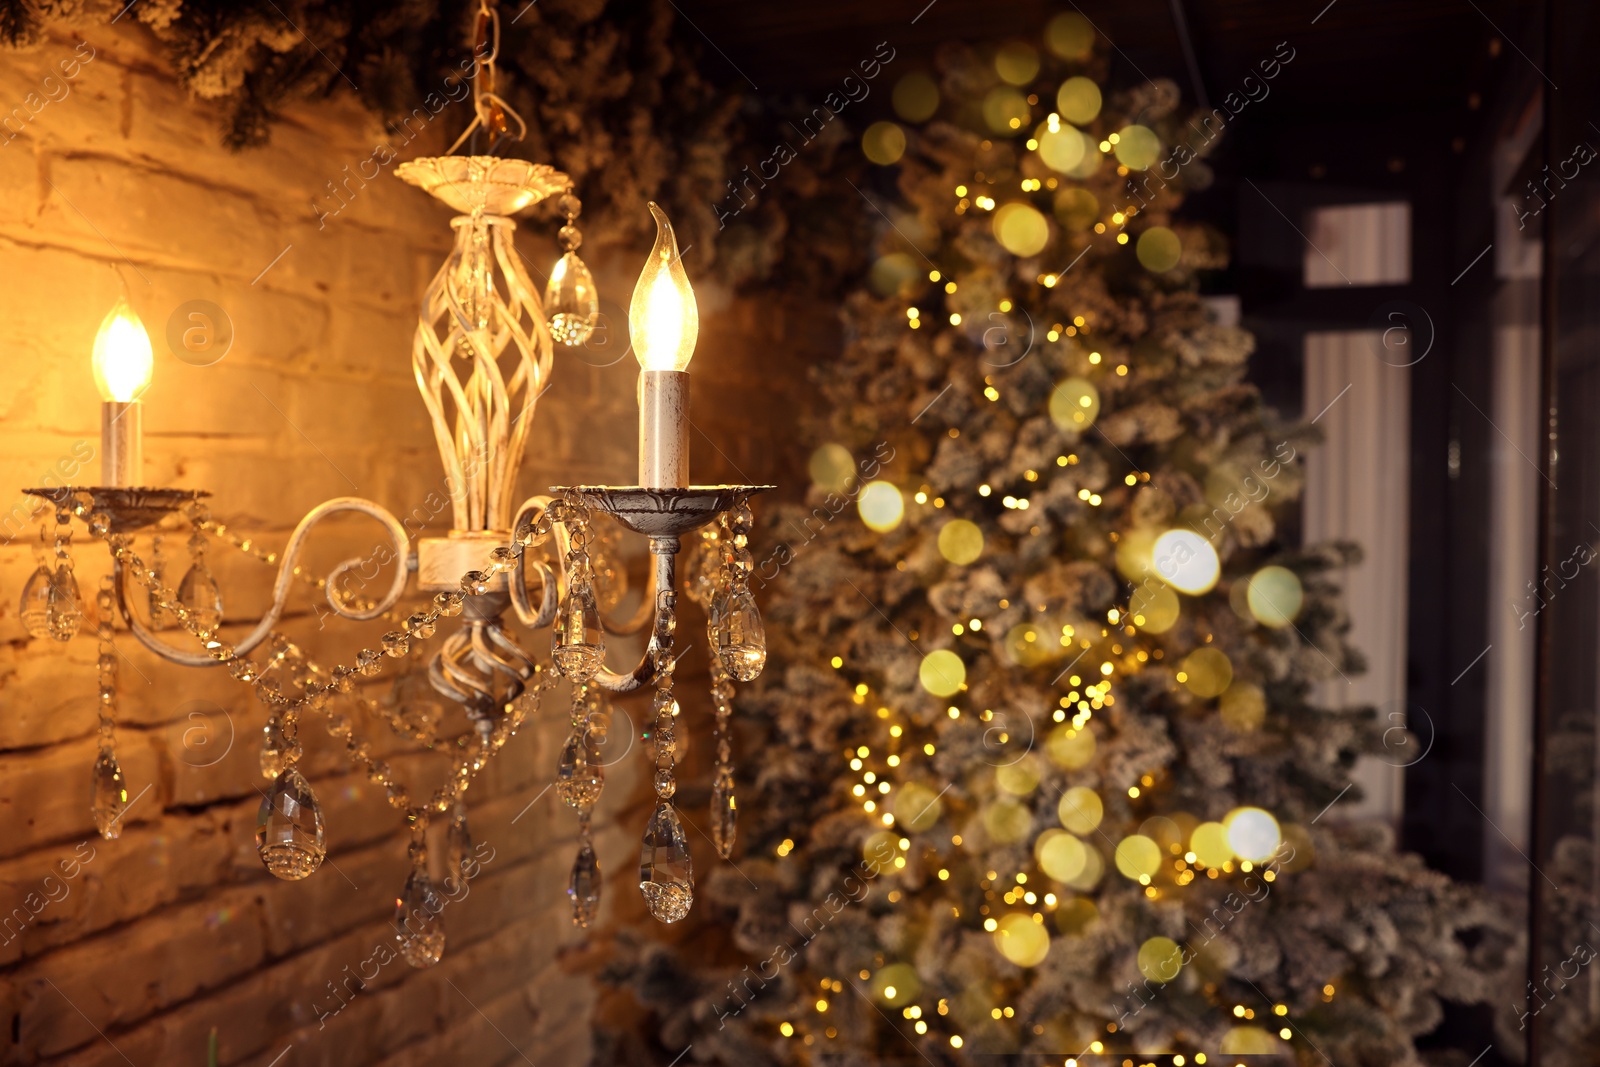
108	793
666	874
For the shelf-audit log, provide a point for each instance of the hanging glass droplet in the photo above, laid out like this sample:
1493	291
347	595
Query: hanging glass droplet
65	613
579	646
571	301
737	633
418	925
289	833
108	796
724	813
666	876
579	772
458	851
35	610
272	746
199	593
584	887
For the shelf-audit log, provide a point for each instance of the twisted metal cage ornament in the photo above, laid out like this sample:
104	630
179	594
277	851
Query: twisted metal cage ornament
482	354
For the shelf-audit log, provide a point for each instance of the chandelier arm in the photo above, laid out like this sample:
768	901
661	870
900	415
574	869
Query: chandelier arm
285	583
665	551
553	583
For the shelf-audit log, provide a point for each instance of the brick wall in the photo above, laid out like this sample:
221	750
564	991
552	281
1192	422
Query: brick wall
175	930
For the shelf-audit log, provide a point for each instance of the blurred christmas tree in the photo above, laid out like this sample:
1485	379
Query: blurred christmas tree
1037	766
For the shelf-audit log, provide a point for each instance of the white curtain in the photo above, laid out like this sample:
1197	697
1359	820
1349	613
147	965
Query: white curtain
1357	489
1358	244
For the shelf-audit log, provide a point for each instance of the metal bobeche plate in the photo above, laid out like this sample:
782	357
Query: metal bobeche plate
130	508
662	512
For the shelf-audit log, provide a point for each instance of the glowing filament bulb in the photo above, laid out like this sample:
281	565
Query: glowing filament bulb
122	361
663	319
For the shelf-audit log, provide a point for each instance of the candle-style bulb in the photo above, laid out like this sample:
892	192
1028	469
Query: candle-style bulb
663	321
123	361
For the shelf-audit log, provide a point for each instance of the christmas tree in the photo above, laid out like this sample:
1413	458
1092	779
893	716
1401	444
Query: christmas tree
1037	765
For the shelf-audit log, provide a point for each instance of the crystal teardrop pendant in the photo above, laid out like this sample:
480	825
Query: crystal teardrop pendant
579	646
272	746
458	851
724	813
35	610
199	593
584	887
666	876
737	634
108	796
579	772
289	833
571	301
418	926
65	613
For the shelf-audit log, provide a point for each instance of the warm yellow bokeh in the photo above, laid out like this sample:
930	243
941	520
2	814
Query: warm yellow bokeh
1253	833
1080	809
1022	940
1021	228
1138	856
1160	959
1074	404
1207	672
960	541
1275	596
942	673
881	506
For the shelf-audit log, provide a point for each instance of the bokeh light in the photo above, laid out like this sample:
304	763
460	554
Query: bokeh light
942	673
1138	856
1007	822
1186	561
1005	110
1074	404
1069	35
1243	707
1069	747
1250	1041
884	143
1253	834
1159	249
1078	100
1074	916
1062	149
1080	809
1076	208
1021	228
1207	672
1154	608
960	541
881	506
1209	843
1017	62
1094	868
895	274
1137	147
917	807
1060	855
1019	778
1160	959
832	468
1022	940
1275	596
896	984
916	97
